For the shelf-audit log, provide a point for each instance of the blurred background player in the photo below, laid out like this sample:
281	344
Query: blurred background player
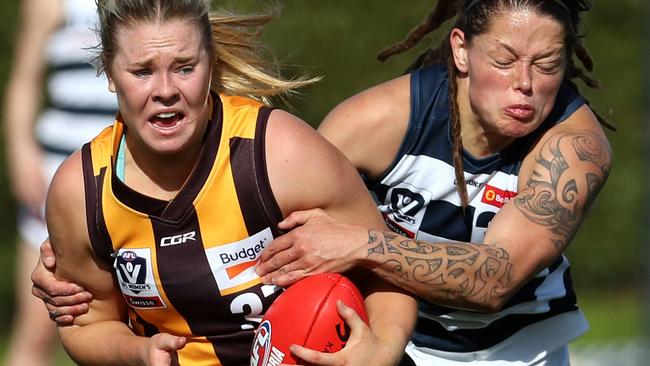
51	59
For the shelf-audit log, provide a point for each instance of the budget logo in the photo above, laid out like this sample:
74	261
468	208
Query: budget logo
135	277
233	264
496	197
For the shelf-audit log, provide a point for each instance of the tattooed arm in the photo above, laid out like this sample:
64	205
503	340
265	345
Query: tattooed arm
558	181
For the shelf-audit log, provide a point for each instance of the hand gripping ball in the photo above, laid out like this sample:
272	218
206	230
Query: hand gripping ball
306	314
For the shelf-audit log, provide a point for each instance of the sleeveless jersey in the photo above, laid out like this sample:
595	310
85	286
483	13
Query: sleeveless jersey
418	198
187	266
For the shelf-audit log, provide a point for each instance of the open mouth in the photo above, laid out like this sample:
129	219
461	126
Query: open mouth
167	120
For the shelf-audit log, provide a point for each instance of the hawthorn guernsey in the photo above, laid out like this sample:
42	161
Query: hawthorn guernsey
250	253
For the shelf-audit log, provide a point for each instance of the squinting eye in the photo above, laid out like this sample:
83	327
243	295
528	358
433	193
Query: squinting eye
548	69
502	64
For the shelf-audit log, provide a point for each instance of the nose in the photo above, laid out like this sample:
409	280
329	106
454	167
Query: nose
165	90
523	78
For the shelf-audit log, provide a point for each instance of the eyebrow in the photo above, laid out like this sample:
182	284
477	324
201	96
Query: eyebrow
547	53
178	60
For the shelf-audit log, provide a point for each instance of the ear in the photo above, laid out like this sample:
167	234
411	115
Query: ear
459	49
111	85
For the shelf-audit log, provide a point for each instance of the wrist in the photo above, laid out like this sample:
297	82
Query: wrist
371	252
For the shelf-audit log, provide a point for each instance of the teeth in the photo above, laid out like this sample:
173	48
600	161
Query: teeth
166	115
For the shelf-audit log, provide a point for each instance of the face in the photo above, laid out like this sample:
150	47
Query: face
512	71
161	75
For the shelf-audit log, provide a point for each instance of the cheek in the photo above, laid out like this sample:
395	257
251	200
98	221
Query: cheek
487	87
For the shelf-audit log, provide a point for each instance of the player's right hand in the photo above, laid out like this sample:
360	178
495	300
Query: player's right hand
161	348
63	300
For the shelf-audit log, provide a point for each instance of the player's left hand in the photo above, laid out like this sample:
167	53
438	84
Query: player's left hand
363	347
317	243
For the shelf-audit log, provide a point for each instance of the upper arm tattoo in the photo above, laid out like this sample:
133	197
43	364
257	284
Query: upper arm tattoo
570	170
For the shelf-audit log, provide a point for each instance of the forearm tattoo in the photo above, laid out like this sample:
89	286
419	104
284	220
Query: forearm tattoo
459	273
570	171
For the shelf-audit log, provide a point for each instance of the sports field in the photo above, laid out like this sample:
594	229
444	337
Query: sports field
338	39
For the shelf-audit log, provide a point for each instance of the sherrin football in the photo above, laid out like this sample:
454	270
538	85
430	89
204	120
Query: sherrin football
306	314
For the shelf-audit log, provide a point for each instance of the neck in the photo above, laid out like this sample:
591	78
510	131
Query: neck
477	140
157	176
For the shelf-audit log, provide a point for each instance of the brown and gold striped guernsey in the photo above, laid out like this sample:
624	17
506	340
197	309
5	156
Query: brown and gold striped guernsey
187	266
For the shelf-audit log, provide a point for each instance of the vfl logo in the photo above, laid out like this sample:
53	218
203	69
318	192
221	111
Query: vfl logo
404	204
132	271
177	239
135	277
263	352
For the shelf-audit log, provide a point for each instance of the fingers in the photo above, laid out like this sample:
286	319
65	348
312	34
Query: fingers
277	255
168	342
286	279
278	245
64	315
313	357
58	293
350	316
47	255
298	218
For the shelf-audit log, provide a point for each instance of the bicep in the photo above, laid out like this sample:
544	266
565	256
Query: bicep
562	176
306	171
76	261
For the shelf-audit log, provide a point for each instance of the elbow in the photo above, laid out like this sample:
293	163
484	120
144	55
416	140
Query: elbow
491	306
490	303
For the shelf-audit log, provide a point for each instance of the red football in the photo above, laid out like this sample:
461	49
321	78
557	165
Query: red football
306	314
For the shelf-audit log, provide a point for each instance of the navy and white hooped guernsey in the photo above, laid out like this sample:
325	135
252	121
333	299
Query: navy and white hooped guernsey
79	103
418	198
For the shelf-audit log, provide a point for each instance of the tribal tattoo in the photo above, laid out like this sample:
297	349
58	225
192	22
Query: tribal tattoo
461	274
570	171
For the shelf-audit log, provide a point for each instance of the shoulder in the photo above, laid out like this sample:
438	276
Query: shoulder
574	155
369	127
580	125
305	170
65	209
66	192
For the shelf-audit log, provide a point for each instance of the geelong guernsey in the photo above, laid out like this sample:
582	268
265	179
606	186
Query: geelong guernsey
418	198
79	101
187	266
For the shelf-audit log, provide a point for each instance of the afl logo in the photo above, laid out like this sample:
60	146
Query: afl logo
132	271
129	256
263	353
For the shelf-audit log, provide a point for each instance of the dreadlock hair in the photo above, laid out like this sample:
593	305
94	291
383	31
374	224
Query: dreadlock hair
473	18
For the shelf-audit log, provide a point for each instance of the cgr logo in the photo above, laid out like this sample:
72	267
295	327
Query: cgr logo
168	241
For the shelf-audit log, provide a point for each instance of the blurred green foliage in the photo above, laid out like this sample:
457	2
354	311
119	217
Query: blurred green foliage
339	39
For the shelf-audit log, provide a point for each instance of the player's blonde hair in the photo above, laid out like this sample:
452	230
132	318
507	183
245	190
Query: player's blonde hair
239	60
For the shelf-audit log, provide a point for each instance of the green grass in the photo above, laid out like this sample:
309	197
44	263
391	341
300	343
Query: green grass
613	316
